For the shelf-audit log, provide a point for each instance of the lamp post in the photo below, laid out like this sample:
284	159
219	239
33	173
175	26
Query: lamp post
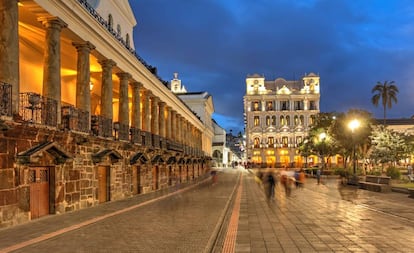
353	125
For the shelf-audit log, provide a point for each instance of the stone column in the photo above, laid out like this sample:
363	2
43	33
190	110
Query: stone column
154	115
173	125
106	90
169	122
146	123
162	119
123	113
9	48
83	92
51	61
136	105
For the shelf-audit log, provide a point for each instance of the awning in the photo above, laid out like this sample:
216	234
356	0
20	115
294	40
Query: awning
52	148
138	157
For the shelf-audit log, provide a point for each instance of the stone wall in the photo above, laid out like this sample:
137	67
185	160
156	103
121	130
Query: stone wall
73	171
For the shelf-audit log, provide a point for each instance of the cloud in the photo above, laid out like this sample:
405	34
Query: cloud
215	44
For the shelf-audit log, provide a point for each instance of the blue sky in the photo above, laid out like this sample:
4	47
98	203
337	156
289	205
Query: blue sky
215	44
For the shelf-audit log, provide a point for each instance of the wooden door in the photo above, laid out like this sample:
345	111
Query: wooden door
39	191
103	184
136	180
155	177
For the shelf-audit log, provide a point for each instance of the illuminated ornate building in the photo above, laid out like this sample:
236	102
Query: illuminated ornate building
278	115
84	119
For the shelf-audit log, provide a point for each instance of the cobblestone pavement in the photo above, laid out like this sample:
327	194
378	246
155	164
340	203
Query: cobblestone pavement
318	218
324	218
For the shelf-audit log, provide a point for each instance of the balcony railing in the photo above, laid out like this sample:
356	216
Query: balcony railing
101	126
121	131
6	99
75	119
37	109
135	135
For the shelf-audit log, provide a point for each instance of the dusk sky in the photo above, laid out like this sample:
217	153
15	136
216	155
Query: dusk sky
215	44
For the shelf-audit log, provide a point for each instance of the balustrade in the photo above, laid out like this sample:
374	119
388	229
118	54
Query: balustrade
75	119
6	99
37	109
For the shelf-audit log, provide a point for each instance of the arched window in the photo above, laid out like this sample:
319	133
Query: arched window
288	120
296	120
256	142
256	121
274	120
282	120
110	22
267	120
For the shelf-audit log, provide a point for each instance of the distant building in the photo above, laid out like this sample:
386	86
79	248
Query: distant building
201	103
405	126
278	115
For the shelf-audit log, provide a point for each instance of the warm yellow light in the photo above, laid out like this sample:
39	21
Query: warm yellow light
322	136
354	124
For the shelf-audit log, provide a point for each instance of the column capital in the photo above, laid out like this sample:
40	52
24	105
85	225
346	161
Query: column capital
52	22
137	85
124	75
107	63
83	46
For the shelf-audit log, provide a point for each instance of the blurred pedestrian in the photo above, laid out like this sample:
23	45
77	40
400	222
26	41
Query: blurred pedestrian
318	176
213	174
301	179
269	185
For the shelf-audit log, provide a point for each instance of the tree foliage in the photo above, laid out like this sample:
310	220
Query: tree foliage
387	93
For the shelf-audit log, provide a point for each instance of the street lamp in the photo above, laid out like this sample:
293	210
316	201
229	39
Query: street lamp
353	125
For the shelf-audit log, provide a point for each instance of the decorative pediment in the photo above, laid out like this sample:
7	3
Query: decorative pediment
32	155
172	160
113	155
157	159
139	157
284	90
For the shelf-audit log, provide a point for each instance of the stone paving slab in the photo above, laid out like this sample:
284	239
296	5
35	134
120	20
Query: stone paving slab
324	218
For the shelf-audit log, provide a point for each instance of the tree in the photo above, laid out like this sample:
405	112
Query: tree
389	146
387	93
346	141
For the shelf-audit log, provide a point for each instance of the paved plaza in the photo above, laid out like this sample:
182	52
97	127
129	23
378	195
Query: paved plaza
232	215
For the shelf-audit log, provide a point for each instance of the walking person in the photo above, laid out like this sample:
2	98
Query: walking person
270	185
213	174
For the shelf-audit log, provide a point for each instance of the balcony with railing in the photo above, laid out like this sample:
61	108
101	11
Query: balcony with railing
101	126
6	99
37	109
121	131
75	119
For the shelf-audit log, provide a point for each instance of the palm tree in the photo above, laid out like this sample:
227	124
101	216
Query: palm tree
387	92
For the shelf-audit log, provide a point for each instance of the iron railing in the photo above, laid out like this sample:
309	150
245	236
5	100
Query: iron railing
37	109
75	119
101	126
6	99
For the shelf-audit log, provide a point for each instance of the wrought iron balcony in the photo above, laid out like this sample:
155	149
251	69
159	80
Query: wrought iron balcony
37	109
6	99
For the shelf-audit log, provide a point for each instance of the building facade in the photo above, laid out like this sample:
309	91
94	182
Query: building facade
83	118
278	115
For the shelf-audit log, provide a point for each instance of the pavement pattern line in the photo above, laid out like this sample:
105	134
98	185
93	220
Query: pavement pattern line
91	221
230	240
